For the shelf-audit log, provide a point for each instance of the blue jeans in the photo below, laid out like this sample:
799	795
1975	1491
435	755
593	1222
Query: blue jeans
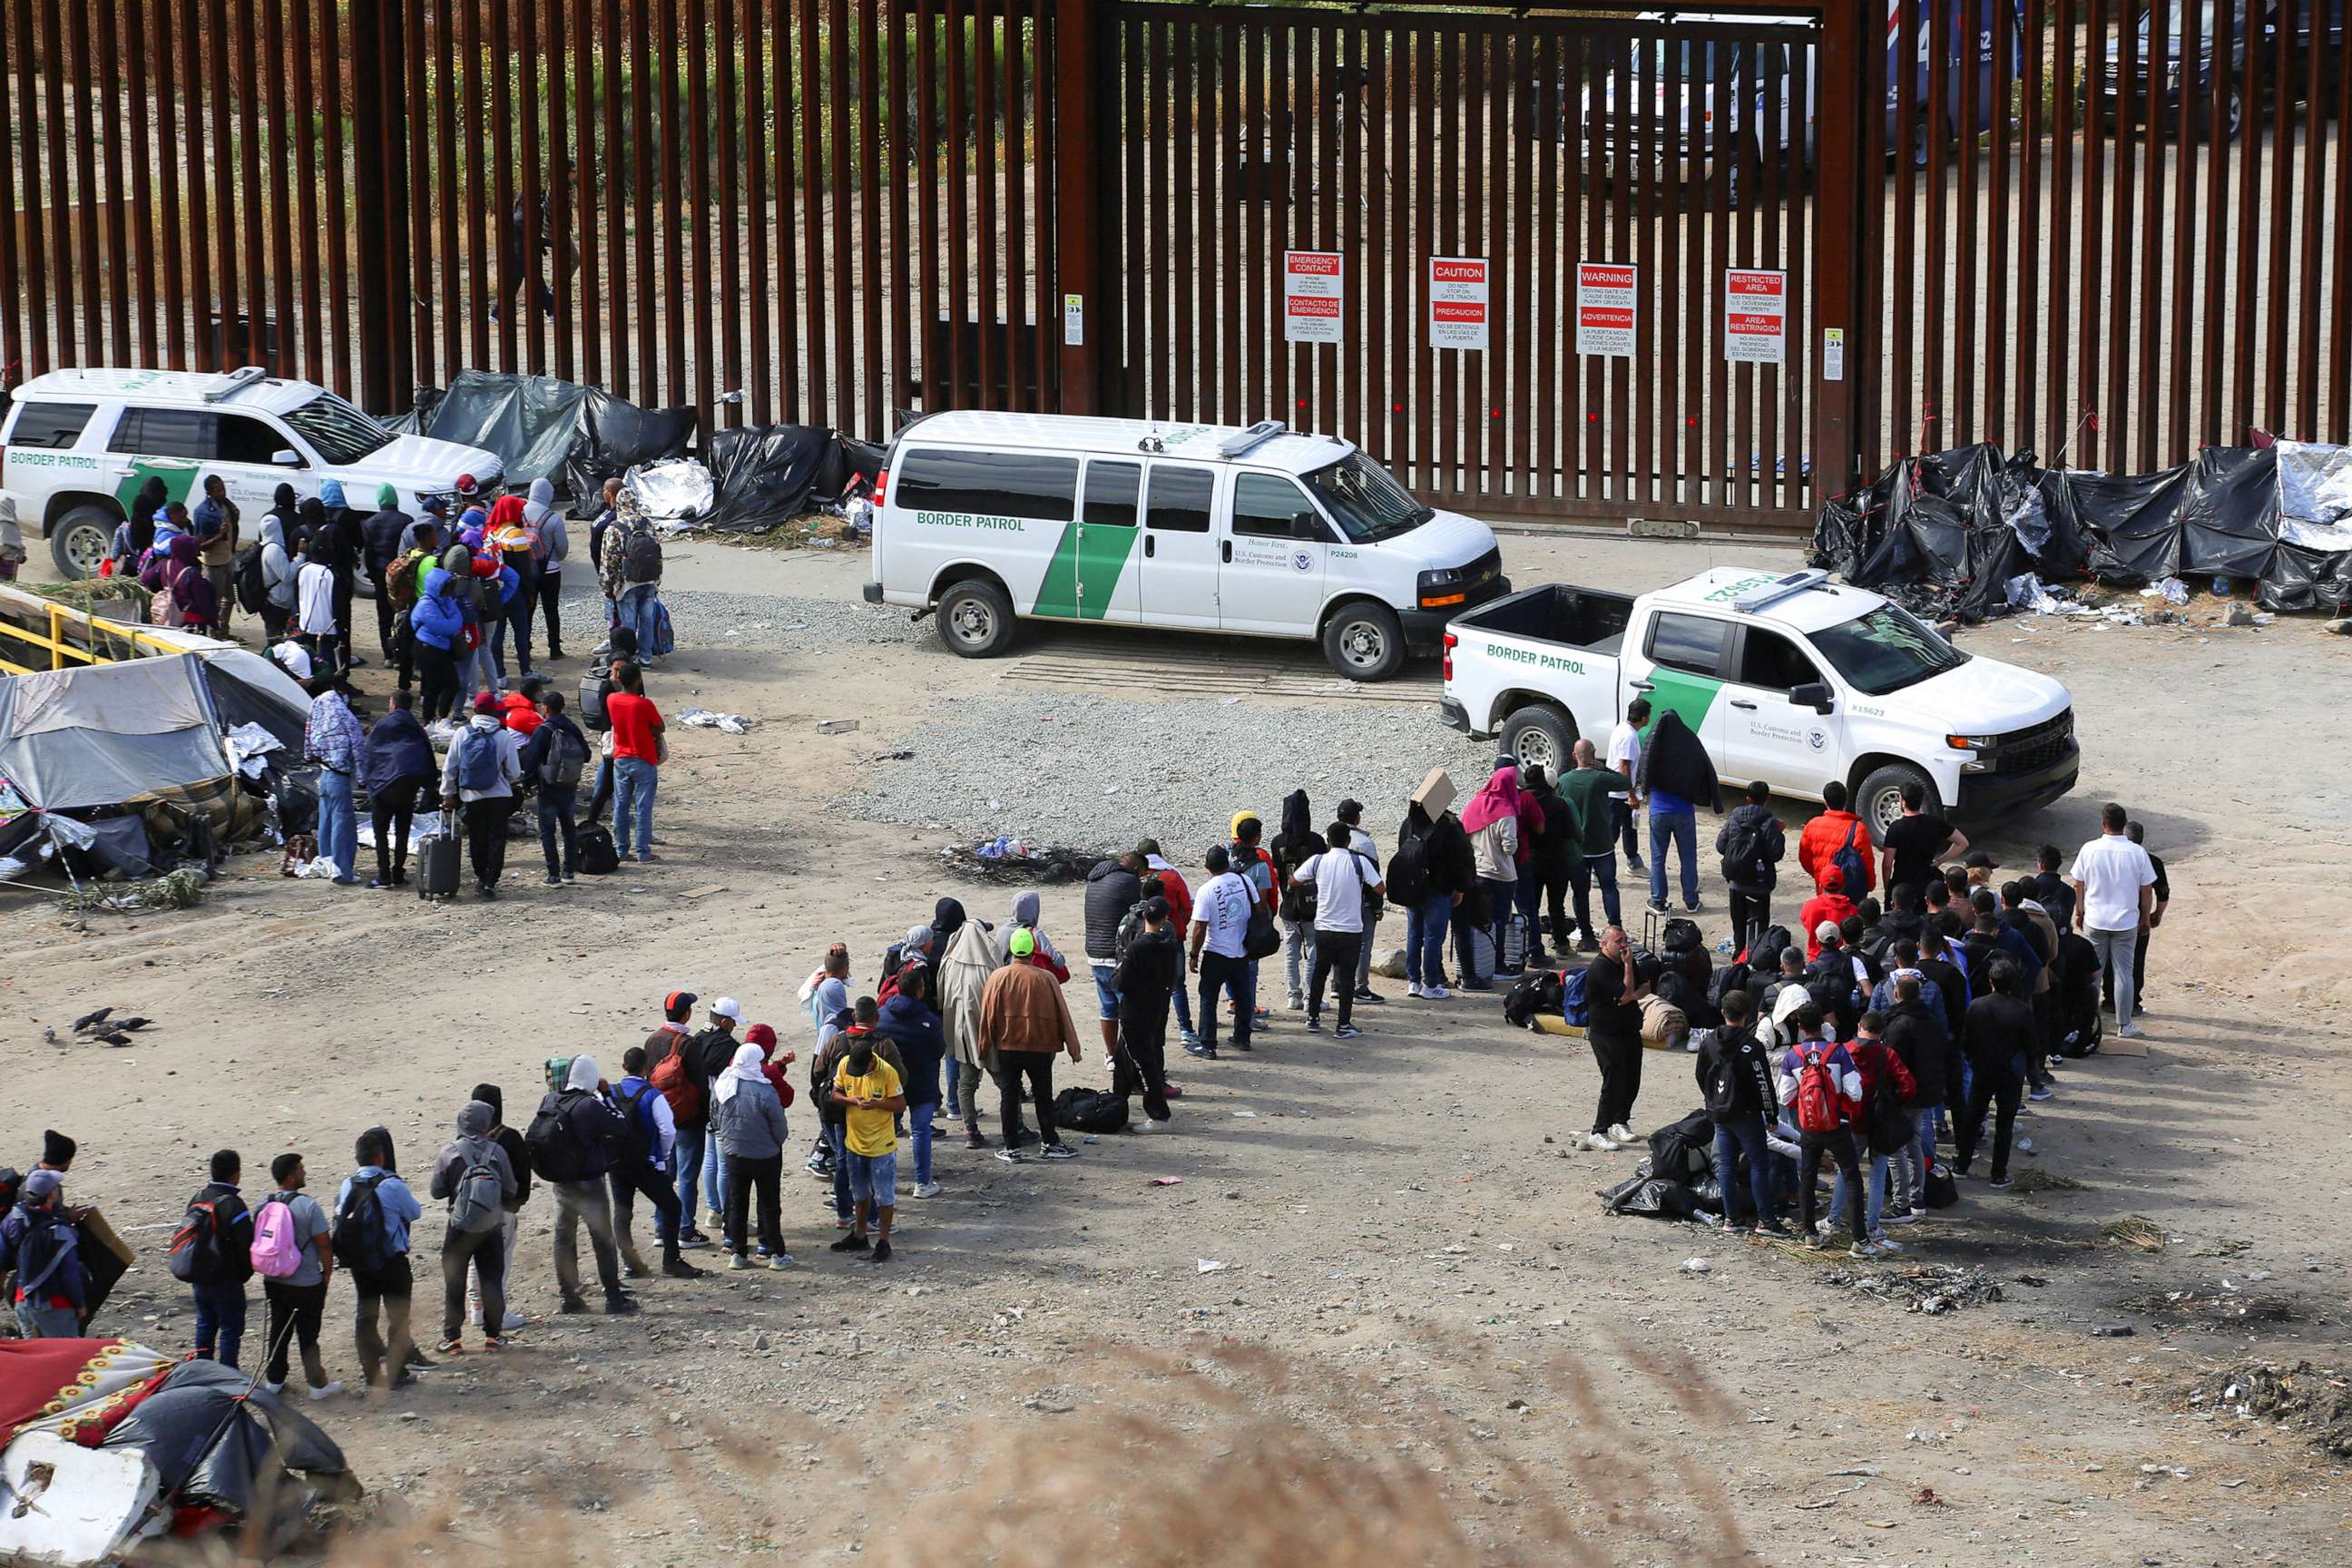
837	1139
918	1128
1873	1192
1928	1117
1583	872
1679	828
1425	939
690	1141
220	1322
556	828
634	610
482	674
633	778
338	825
714	1176
1623	831
1745	1137
495	644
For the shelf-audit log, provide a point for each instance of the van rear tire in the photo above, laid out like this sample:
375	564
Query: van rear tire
1541	737
975	619
1364	641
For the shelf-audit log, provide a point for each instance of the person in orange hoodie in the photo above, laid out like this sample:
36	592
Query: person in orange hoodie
1827	834
1830	904
518	709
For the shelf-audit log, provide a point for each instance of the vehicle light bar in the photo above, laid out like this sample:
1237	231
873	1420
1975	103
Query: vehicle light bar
235	382
1265	430
1795	583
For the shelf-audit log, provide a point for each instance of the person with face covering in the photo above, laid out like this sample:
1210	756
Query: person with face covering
1043	952
468	1166
380	546
549	544
749	1119
316	590
968	959
1492	821
586	1129
279	569
436	624
195	605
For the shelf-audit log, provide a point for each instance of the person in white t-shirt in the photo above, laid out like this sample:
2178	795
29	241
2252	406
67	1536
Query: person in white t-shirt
314	614
1625	757
1219	957
1351	812
2115	891
1343	880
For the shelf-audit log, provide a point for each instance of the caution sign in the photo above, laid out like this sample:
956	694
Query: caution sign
1458	302
1604	308
1756	317
1314	296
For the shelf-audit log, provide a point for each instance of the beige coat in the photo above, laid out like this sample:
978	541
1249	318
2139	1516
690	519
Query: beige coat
972	957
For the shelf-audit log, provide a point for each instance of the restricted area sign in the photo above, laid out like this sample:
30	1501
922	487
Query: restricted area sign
1756	317
1458	302
1314	294
1604	308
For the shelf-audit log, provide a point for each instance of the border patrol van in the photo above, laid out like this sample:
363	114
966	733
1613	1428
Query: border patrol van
985	519
78	445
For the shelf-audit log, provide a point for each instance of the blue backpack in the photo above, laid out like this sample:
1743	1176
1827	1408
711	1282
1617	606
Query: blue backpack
477	761
1571	997
664	638
1851	868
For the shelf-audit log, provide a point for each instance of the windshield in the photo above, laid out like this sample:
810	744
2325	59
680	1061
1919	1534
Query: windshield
1368	505
1886	650
2175	15
1694	60
340	433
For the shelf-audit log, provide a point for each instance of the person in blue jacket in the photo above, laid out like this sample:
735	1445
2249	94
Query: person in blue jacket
910	1021
438	621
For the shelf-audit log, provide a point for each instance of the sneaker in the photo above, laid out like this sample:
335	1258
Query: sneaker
1368	994
881	1253
1600	1142
1863	1249
779	1260
406	1379
450	1347
2000	1182
1586	944
1414	990
621	1306
492	1344
635	1271
1238	1045
853	1242
1772	1228
1658	906
1622	1133
1314	1025
1812	1244
692	1237
1189	1038
679	1268
1013	1156
926	1190
2044	1092
328	1392
1634	864
489	892
1297	1003
1690	908
841	1222
1899	1216
551	880
416	1362
975	1139
2130	1032
571	881
574	1305
1060	1152
1346	1032
514	1320
1435	994
2025	1145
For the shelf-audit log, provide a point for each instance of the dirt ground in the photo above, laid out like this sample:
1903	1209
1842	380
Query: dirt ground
1421	1314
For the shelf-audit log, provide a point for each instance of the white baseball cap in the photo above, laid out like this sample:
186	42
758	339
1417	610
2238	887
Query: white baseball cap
726	1007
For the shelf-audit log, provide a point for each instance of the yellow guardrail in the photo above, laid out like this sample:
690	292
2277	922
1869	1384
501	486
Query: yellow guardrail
62	652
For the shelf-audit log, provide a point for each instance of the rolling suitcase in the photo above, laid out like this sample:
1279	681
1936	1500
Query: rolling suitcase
436	867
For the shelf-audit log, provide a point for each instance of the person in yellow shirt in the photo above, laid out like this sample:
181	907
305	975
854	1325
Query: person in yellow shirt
869	1091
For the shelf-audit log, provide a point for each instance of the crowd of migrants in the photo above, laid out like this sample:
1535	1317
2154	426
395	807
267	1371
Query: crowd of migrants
1886	1028
452	599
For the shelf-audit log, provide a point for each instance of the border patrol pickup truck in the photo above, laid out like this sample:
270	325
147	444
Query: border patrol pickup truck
1791	679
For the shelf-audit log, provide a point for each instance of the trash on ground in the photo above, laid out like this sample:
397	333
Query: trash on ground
2135	1231
835	726
1929	1288
1167	1180
2314	1402
1209	1266
2171	590
733	723
1005	859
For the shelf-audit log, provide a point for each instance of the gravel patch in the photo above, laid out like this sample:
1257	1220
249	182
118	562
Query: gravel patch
1100	772
768	621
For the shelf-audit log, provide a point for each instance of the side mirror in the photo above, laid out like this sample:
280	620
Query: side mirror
1813	694
1307	526
286	458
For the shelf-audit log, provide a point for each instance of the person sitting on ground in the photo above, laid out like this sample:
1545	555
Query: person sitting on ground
1023	1022
1786	995
870	1094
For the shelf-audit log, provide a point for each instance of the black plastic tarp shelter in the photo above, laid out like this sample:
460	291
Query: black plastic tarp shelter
767	474
578	436
1945	531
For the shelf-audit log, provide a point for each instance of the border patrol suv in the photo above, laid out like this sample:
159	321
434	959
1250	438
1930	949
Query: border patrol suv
79	444
987	518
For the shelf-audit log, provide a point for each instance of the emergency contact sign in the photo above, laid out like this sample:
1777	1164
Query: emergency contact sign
1314	296
1756	317
1604	308
1458	302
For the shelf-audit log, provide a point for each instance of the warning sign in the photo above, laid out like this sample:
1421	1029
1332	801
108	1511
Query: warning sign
1756	317
1604	308
1458	302
1314	295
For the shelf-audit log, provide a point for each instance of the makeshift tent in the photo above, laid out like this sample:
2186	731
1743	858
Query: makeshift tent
249	688
541	427
767	474
1946	531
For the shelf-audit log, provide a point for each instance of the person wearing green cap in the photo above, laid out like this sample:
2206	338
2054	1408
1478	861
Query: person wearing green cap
1024	1020
379	540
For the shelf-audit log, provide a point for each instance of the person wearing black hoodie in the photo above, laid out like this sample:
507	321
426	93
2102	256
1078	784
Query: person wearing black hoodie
1297	844
1113	888
1147	976
380	546
396	764
1735	1079
1548	866
1752	843
557	751
518	1157
1914	1032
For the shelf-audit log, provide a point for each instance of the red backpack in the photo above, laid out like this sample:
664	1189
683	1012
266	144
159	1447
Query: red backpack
1819	1107
684	1095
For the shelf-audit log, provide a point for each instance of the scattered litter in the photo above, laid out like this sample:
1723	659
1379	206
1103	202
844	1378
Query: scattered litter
247	744
177	889
2039	1180
1926	1497
835	726
704	892
423	826
1929	1288
1005	859
2173	591
1167	1180
733	723
1248	1113
1209	1266
2135	1231
1699	1266
2026	592
2113	1331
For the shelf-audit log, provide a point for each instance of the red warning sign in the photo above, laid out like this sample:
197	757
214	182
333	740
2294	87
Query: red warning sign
1756	317
1605	292
1314	296
1458	302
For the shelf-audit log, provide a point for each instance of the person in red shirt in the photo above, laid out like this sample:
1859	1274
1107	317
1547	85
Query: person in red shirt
1825	835
1830	904
637	761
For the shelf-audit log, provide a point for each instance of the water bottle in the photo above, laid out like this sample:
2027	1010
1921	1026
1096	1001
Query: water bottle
2221	587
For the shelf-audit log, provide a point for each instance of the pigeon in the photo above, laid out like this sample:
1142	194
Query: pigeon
113	1038
132	1025
90	1020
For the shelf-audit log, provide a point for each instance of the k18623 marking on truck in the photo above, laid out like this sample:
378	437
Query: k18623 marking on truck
970	519
1530	657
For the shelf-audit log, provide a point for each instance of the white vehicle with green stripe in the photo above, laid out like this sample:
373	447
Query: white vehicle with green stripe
78	445
1791	679
987	519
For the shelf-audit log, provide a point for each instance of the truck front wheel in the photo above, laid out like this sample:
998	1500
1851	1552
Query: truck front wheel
1541	737
1879	802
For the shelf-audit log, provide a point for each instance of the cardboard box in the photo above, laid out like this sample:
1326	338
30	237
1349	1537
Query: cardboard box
1437	794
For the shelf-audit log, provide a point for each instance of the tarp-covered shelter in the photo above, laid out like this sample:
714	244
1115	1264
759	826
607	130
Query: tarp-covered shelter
766	474
577	435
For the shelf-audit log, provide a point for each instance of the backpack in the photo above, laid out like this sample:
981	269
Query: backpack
252	593
555	1154
277	1251
478	1202
595	685
1764	953
598	855
197	1254
400	583
1743	854
1090	1110
665	639
1572	1008
1538	992
639	1136
1299	900
1718	1080
1408	877
1130	926
641	558
1817	1094
360	1237
566	756
1890	1126
477	761
1851	865
151	570
669	1076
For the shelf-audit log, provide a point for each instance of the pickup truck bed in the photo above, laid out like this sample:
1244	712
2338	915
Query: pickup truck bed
1579	618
